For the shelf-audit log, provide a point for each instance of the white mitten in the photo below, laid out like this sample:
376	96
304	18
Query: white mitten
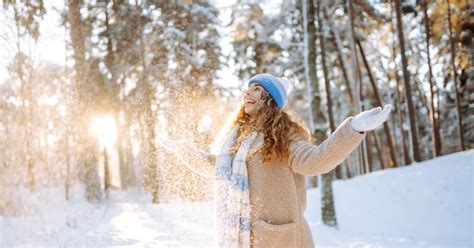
371	119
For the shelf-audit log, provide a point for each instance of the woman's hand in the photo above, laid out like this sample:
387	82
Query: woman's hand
371	119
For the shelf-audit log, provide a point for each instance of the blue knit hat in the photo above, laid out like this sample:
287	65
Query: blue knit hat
275	86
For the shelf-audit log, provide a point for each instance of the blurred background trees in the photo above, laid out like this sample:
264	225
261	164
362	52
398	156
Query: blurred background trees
175	69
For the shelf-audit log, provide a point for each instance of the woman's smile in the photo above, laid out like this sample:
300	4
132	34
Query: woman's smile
251	97
249	101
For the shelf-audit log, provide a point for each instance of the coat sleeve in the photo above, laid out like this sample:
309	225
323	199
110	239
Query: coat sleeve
308	159
199	162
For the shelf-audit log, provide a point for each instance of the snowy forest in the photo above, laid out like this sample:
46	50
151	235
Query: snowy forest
89	89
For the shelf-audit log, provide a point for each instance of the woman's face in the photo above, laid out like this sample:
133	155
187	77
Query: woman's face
252	98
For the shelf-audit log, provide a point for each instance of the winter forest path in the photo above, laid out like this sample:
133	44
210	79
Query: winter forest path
428	204
123	221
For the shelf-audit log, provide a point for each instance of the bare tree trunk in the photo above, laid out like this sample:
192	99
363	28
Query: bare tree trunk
369	153
422	96
121	131
125	154
150	175
151	166
31	174
312	84
26	103
77	39
69	133
406	79
433	116
65	144
67	182
111	62
28	133
405	150
379	150
453	65
130	178
107	177
357	94
378	99
88	149
348	80
29	137
327	85
338	44
317	115
327	208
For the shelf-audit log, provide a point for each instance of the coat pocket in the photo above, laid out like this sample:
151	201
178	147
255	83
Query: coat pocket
274	235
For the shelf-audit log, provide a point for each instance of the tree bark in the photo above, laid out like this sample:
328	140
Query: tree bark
369	153
433	117
327	208
151	174
357	87
338	44
67	181
406	80
379	149
405	149
312	84
378	99
317	118
107	176
89	151
456	91
150	171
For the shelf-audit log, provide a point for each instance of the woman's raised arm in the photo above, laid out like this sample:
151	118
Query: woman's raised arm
197	161
308	159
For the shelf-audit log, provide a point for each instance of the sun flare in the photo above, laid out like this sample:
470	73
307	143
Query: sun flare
105	129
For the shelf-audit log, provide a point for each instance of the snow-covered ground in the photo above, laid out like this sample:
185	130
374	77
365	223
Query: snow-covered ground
428	204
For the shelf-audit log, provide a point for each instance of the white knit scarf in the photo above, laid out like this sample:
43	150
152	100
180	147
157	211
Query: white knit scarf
231	192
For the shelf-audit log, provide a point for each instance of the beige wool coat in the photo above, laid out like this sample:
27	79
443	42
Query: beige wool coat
277	190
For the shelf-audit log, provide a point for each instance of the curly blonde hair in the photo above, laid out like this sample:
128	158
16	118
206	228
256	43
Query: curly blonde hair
276	125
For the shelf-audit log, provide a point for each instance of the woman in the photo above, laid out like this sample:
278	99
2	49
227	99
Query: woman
259	168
